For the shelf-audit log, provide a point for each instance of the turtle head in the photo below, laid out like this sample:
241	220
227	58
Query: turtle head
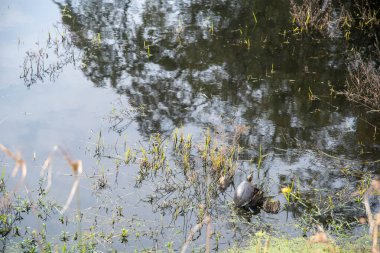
249	178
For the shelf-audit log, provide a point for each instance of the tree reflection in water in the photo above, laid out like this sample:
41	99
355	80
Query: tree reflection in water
210	64
195	76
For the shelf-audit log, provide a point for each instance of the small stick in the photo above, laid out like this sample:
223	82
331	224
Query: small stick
375	247
368	212
206	220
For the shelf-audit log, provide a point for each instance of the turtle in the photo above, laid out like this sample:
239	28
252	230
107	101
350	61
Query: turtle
247	195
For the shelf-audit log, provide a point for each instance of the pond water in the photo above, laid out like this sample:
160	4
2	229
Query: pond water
97	77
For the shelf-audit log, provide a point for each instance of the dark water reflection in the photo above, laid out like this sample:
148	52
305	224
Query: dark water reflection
203	64
201	68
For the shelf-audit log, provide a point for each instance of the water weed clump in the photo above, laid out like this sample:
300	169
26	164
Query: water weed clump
101	181
129	156
363	84
183	147
220	153
153	158
310	15
360	18
337	211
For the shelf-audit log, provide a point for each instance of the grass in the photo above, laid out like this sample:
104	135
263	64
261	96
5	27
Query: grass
267	244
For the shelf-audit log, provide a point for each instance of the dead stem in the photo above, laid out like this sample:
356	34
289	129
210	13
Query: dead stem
77	168
20	163
208	233
368	212
206	221
373	221
375	246
47	166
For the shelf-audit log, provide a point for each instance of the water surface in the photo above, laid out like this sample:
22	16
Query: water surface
68	67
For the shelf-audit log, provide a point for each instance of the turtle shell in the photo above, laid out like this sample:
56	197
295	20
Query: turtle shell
246	195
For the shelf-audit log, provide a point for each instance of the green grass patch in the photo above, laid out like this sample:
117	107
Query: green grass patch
268	244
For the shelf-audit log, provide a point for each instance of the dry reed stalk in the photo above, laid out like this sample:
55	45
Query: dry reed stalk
368	212
5	201
266	246
319	237
238	132
363	85
373	189
190	236
375	246
206	221
47	166
20	163
373	221
77	168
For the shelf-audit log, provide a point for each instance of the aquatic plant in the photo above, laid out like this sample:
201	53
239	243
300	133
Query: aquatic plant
310	14
147	48
12	206
124	236
287	191
363	84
